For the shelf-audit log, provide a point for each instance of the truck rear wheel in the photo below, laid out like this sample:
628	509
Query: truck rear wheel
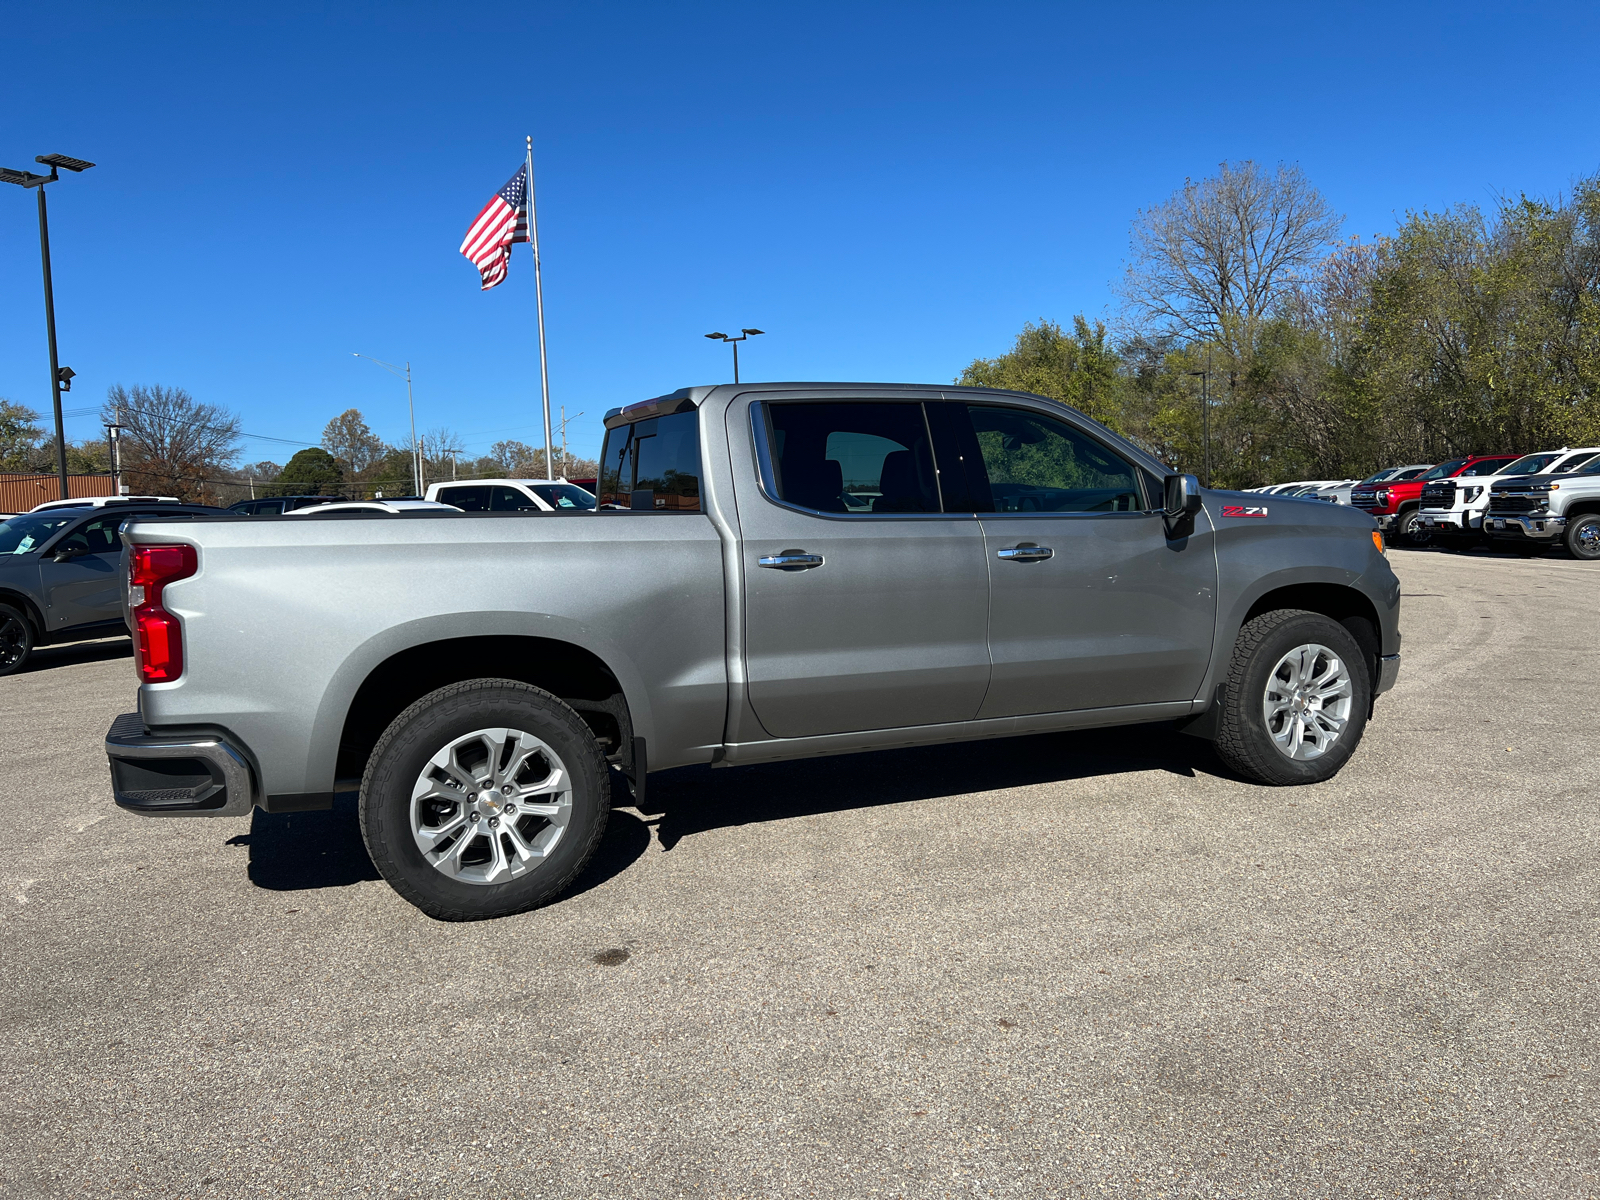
16	639
483	799
1583	536
1295	701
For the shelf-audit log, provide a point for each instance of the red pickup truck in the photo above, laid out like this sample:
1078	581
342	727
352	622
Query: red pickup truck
1396	505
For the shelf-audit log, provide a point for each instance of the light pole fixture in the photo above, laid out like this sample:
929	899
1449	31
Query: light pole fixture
416	450
60	377
734	342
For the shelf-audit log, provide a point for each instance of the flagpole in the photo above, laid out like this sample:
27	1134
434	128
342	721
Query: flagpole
538	292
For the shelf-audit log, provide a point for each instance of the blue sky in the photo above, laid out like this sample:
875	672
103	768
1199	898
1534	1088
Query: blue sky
888	190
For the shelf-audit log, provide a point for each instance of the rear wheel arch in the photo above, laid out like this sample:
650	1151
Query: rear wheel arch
577	676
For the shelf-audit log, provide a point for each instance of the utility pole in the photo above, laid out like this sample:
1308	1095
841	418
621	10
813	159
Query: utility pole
416	447
1205	416
564	420
60	377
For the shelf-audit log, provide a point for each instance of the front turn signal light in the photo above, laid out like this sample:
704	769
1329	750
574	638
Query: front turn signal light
1377	540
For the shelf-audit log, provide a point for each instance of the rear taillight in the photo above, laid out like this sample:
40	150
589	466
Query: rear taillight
156	633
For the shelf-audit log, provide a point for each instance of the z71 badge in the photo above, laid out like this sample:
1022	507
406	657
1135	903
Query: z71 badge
1244	510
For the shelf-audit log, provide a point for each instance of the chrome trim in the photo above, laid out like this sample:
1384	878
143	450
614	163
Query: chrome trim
790	562
1026	553
128	740
1552	525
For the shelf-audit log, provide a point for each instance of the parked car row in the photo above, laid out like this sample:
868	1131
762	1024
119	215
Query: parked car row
61	574
1523	503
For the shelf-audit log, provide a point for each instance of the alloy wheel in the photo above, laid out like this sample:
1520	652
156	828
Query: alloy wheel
1307	701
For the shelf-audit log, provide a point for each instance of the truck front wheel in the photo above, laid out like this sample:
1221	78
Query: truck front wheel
1296	698
1410	531
483	799
1583	536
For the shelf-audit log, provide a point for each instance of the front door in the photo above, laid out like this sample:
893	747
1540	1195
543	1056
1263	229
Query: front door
86	588
866	605
1091	604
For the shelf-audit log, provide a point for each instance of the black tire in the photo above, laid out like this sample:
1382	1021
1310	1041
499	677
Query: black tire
1583	536
1409	533
1244	740
426	728
16	639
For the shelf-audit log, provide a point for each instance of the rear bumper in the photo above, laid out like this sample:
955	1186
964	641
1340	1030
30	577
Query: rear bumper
1541	526
198	775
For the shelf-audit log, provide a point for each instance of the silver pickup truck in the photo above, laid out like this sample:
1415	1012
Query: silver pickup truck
774	571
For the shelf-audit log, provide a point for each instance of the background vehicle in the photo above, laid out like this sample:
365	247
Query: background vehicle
1453	510
774	571
102	502
510	495
272	506
1543	510
61	576
1340	493
1396	506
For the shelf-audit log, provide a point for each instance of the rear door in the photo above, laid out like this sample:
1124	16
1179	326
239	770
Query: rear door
866	605
88	587
1092	605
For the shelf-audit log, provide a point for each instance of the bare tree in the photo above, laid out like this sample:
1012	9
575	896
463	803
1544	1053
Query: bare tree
441	454
173	444
1213	261
348	438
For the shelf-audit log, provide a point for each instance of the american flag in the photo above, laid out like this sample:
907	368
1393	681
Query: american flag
503	221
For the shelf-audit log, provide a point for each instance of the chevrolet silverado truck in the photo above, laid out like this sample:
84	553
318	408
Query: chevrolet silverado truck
773	571
1397	507
1537	511
1452	510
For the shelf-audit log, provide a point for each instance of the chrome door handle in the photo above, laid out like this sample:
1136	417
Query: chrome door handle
1026	553
790	560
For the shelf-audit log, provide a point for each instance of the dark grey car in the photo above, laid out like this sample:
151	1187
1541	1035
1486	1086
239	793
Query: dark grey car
61	576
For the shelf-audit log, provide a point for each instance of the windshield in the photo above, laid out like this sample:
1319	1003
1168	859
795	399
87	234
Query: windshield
1382	476
1446	469
26	533
1529	464
562	495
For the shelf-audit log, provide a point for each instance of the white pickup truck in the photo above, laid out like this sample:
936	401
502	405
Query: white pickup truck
1536	511
1453	509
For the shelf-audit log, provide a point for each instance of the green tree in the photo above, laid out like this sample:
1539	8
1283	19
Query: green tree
20	437
311	472
1078	368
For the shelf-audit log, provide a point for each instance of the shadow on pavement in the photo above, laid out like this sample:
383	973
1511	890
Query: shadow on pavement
693	800
292	852
45	658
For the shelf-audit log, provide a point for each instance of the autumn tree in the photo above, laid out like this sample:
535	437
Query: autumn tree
171	444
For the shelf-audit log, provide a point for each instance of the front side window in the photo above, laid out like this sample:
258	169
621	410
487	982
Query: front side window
509	499
1036	463
857	457
562	495
1575	463
1492	466
652	465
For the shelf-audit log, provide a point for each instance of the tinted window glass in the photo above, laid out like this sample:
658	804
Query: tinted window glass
653	465
562	495
1445	469
1576	463
1528	464
21	534
509	499
467	499
1490	466
859	457
1038	464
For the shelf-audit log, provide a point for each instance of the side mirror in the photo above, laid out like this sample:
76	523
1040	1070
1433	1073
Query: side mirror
1183	495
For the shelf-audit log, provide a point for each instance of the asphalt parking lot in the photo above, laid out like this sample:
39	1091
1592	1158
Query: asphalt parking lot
1088	964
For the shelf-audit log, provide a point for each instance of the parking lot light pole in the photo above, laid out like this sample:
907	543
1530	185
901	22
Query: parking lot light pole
1205	415
734	342
60	377
416	450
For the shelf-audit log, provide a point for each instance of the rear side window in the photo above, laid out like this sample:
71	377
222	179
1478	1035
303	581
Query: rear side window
853	458
652	465
467	499
509	499
1036	463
